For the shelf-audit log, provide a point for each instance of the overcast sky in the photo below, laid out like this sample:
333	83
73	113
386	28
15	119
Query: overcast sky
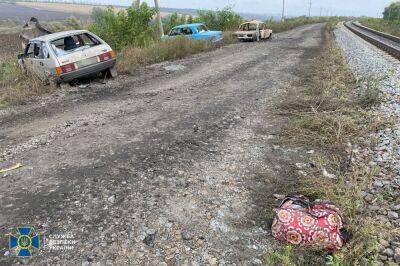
293	7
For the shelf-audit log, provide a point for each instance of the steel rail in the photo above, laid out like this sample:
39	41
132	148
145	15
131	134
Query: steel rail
386	42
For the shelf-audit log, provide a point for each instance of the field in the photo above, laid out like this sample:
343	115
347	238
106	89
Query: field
69	8
9	44
18	13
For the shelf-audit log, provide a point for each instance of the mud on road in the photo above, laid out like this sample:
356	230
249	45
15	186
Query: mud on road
161	166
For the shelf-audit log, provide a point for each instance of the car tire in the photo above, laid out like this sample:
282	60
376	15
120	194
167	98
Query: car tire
52	83
111	73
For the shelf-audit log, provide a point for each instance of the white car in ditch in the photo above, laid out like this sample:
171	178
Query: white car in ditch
68	55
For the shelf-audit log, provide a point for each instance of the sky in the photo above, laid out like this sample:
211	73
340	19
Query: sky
373	8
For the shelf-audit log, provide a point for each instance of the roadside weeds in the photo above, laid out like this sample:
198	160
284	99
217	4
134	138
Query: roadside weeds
329	112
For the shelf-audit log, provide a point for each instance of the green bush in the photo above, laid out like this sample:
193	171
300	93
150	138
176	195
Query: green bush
126	27
225	19
392	12
384	25
173	20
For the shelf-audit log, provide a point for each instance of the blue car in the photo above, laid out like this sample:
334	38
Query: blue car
196	31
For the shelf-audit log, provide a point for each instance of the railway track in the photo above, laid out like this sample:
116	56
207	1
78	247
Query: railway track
386	42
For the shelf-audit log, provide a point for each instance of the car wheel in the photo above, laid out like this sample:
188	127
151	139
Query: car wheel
53	83
112	71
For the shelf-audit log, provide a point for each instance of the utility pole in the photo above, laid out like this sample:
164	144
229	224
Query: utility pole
159	21
283	10
309	9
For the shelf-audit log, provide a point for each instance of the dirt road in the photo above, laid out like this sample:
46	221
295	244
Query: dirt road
161	166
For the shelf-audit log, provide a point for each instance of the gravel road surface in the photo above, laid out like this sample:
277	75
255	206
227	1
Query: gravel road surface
163	166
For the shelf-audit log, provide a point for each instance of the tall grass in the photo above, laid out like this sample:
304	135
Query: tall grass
17	86
132	57
389	26
325	111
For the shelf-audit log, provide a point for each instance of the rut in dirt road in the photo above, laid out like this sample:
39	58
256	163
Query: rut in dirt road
160	166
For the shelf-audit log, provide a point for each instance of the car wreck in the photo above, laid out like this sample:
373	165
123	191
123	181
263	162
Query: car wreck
253	31
65	56
195	31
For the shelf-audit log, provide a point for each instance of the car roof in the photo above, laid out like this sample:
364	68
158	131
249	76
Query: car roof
253	22
58	35
188	25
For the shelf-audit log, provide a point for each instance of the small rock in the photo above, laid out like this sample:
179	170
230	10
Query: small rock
150	239
310	152
388	252
396	255
393	215
187	235
373	208
395	207
369	198
301	165
377	184
111	199
384	243
382	258
327	175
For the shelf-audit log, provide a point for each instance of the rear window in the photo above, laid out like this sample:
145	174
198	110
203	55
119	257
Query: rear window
73	43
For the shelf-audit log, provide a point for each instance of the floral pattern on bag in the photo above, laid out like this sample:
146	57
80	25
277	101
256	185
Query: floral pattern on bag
316	225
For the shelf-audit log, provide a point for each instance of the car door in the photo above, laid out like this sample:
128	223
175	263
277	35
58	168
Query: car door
28	55
38	60
200	32
188	32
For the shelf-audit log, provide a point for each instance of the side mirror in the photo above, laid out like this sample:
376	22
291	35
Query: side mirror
20	56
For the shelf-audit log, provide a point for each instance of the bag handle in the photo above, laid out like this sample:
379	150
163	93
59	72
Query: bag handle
302	201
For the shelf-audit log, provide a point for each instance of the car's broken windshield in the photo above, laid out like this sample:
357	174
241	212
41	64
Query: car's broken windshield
248	26
73	43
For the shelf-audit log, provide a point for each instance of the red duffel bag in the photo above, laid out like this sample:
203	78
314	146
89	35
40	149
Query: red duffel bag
301	222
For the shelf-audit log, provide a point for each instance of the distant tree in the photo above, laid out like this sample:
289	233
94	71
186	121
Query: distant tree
173	20
225	19
190	19
392	12
126	27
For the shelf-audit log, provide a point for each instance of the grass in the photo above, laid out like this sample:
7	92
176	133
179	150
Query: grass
327	109
132	58
389	26
16	86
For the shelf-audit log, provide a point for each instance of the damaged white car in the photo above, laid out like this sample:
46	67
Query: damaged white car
66	56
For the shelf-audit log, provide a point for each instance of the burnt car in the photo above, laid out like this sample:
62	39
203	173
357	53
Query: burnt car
253	31
68	55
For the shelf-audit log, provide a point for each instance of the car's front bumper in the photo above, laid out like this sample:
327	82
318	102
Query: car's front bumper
245	37
86	71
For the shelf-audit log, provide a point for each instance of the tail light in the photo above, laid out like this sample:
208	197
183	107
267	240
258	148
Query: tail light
107	56
65	69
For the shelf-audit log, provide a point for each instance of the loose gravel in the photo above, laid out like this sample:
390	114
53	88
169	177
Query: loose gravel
159	168
367	61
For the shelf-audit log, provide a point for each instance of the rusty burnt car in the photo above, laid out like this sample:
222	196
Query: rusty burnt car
253	31
66	56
